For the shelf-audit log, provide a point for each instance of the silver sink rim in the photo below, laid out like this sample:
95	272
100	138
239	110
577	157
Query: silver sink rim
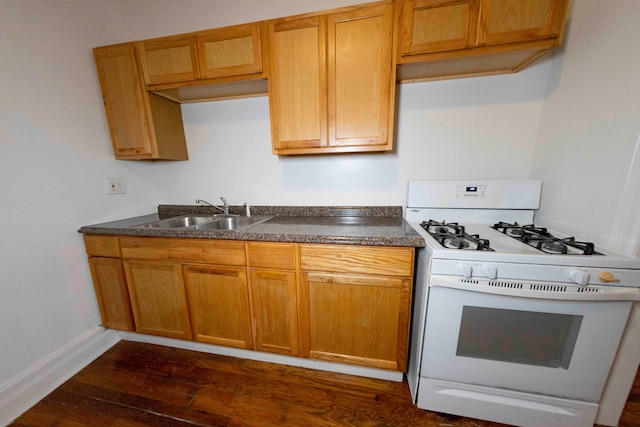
206	220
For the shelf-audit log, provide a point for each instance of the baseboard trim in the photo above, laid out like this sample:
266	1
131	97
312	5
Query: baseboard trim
266	357
28	388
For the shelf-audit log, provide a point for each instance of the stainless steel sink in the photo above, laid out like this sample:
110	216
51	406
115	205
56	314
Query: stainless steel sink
230	223
207	222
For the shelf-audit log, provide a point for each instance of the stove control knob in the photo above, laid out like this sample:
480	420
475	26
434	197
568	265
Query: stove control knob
578	276
490	271
608	277
465	269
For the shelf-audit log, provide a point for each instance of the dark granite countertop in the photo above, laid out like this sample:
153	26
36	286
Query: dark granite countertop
368	225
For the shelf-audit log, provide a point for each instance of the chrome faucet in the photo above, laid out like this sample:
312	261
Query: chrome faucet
224	208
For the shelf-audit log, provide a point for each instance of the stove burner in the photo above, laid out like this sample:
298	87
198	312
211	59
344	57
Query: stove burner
516	232
541	239
555	246
453	236
459	242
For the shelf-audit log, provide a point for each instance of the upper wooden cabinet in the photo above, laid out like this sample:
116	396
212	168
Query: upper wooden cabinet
332	85
436	26
142	125
230	51
509	21
221	53
457	38
170	59
330	76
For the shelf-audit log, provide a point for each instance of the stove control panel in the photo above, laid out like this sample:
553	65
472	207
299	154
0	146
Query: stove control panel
471	191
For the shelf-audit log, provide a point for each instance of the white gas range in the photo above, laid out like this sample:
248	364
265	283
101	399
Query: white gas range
512	323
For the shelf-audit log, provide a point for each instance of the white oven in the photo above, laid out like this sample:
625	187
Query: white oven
509	328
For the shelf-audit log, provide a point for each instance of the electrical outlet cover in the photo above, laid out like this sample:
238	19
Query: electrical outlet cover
115	186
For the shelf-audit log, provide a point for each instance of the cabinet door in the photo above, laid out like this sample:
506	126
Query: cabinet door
158	298
507	21
230	51
143	125
112	293
298	84
361	82
219	304
437	26
171	59
273	295
125	100
355	319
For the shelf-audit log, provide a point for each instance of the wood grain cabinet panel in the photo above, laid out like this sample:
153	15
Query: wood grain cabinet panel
112	293
356	319
158	298
458	38
169	59
354	304
230	51
274	296
275	311
361	78
332	83
508	21
219	305
109	281
98	245
221	252
436	25
379	260
298	84
143	126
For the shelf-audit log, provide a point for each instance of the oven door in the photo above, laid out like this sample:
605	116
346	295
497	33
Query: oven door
562	348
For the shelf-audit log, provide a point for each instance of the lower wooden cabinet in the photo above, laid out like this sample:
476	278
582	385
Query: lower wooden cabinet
219	305
275	311
337	303
158	298
356	319
111	292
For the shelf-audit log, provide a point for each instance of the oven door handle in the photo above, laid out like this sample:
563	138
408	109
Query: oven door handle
538	290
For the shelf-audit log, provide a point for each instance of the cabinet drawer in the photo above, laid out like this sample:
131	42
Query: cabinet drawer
278	256
221	252
106	246
390	261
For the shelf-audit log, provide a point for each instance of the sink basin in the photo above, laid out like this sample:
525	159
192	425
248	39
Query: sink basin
208	222
180	222
229	223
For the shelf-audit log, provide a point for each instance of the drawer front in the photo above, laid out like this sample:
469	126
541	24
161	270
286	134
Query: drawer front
105	246
221	252
388	261
280	256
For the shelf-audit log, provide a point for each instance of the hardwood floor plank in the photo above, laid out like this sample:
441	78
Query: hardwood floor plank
136	384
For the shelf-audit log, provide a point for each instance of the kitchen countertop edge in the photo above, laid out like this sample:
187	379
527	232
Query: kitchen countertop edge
388	229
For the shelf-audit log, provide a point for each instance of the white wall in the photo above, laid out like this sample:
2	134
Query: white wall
55	151
588	150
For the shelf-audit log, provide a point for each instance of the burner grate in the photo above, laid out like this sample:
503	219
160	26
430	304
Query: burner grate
541	239
453	236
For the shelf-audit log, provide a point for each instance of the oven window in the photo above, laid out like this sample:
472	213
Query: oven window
525	337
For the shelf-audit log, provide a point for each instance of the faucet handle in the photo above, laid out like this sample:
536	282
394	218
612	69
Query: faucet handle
247	208
224	201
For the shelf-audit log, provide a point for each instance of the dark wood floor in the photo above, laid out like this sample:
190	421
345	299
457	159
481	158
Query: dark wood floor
136	384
